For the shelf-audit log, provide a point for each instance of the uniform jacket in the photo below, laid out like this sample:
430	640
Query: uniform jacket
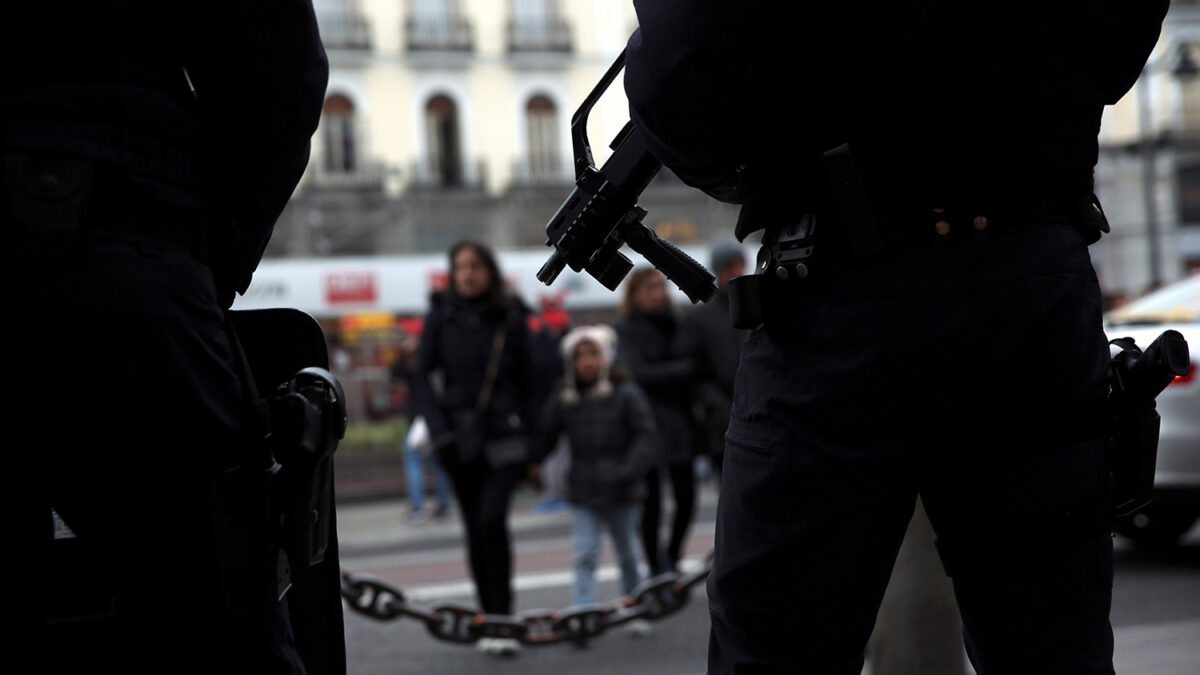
940	105
107	83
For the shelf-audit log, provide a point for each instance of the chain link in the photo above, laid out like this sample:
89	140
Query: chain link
654	599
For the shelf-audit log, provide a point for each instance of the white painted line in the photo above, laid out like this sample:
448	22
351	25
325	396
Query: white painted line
525	582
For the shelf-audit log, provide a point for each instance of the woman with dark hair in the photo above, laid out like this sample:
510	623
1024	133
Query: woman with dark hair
473	388
646	333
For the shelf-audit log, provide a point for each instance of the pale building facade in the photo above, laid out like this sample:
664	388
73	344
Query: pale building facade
1148	176
447	119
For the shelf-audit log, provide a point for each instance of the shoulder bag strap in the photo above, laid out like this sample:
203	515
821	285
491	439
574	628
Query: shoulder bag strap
489	378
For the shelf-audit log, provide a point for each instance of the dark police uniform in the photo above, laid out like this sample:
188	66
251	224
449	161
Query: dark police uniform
961	359
132	211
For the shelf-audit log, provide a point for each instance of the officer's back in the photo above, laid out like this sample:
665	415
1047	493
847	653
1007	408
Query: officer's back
942	101
147	150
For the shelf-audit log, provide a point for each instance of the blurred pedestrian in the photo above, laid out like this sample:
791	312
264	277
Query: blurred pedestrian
927	318
146	151
707	336
646	333
474	385
552	322
418	445
610	436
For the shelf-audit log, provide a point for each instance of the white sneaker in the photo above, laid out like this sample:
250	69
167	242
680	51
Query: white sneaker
484	645
639	628
503	647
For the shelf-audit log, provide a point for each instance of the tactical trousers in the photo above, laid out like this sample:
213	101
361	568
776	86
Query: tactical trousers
970	372
484	495
129	406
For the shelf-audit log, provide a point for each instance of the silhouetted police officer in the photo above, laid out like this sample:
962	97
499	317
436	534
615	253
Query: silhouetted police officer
944	337
148	149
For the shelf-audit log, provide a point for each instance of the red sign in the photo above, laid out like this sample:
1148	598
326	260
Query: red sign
351	287
439	280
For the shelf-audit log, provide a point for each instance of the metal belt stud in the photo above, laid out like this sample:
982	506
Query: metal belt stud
942	226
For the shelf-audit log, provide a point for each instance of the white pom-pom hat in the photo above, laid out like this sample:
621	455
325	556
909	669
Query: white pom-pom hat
605	339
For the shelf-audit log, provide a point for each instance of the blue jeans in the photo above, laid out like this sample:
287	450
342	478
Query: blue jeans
415	474
622	523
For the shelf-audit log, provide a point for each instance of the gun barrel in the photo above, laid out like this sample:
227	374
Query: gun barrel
552	268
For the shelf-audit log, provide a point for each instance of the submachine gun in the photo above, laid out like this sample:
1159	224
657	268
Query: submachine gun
1137	377
601	214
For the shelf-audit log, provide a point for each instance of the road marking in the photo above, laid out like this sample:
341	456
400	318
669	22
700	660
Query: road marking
464	588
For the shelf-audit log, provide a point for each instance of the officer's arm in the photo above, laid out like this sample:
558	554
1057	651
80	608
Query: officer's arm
260	72
1128	32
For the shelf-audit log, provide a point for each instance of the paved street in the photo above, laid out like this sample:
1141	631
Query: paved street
1156	600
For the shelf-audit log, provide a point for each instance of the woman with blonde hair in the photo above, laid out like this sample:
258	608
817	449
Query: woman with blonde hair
646	337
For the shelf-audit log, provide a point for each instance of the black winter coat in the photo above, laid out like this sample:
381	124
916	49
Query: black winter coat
456	346
645	351
707	337
612	445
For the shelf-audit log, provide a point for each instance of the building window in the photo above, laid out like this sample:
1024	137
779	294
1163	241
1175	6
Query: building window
541	126
431	13
1190	90
338	124
442	141
532	14
537	25
1189	194
438	25
342	24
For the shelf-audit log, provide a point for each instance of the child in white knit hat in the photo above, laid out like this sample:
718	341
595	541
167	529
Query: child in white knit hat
610	433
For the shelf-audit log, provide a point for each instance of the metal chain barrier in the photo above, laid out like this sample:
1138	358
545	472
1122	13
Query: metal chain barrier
654	599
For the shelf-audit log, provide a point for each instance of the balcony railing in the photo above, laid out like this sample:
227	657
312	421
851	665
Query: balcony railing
344	30
553	36
1191	109
427	175
444	34
546	171
365	176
